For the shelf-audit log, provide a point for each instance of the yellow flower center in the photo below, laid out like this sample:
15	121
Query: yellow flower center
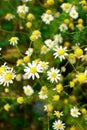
75	112
43	64
53	75
67	6
27	90
60	52
82	78
47	18
59	126
13	39
2	69
57	114
8	76
59	87
33	70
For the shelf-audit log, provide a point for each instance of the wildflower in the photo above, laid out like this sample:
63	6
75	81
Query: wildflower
28	24
60	52
9	16
32	70
19	62
59	87
66	7
3	68
29	51
75	112
30	17
58	114
36	33
43	95
44	49
58	38
26	59
22	9
73	13
44	65
63	27
20	100
47	18
48	108
81	77
53	75
56	97
50	2
14	40
58	125
7	107
72	58
28	90
7	77
49	43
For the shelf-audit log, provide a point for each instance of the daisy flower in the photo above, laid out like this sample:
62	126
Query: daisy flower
74	112
14	40
73	13
44	49
58	114
7	77
29	52
47	18
81	77
42	95
9	16
22	9
32	70
58	125
53	75
48	108
66	7
63	27
60	52
28	90
58	38
49	43
44	65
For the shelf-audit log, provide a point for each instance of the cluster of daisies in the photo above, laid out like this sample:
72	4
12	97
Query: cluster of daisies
46	72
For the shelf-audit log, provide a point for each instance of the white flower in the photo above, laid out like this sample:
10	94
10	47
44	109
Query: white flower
28	90
44	65
66	7
85	50
9	16
47	18
73	13
58	125
58	38
75	112
63	27
7	77
42	95
58	114
53	75
49	43
29	52
14	40
32	70
22	9
60	52
44	49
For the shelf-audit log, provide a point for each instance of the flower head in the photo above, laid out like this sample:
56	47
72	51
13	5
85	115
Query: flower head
28	90
14	40
75	112
47	18
60	52
32	70
53	75
58	125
